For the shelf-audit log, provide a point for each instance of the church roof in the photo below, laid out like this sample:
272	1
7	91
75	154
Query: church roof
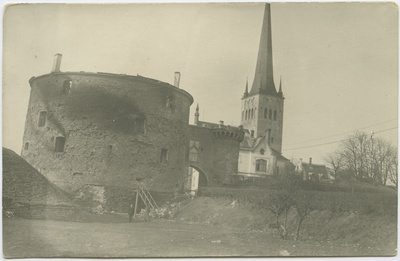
264	77
250	143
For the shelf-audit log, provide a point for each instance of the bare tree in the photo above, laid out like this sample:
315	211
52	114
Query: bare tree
366	158
335	161
393	170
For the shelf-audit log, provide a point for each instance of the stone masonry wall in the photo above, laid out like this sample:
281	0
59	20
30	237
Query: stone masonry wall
96	117
218	154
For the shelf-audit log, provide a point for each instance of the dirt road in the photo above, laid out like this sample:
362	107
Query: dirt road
45	238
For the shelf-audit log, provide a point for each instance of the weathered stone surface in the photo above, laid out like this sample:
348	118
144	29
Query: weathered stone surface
102	146
24	185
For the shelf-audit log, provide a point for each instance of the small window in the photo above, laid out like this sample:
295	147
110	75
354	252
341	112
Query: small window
67	87
42	118
138	126
193	154
262	151
170	102
275	115
26	145
261	165
164	156
60	143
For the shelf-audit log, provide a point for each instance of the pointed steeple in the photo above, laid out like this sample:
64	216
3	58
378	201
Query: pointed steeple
246	91
196	115
264	77
280	85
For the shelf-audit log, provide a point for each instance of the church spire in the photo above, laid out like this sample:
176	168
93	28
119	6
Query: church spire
196	115
280	86
264	79
246	91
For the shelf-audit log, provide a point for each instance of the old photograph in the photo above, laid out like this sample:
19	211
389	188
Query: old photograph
200	130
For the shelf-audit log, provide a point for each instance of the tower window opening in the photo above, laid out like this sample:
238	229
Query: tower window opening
59	145
242	115
170	103
138	126
272	140
26	145
252	113
164	156
265	113
42	118
67	87
261	165
274	115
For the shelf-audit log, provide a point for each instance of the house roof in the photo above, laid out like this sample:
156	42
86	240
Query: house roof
315	168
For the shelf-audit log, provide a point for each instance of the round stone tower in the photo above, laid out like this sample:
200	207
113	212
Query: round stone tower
106	129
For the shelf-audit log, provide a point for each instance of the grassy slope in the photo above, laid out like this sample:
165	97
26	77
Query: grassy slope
363	227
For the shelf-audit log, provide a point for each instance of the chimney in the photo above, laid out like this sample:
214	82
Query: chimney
310	161
177	79
57	63
221	123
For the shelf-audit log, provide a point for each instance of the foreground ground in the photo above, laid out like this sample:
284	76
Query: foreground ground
46	238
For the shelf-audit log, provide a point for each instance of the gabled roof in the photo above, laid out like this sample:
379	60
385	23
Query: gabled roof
250	143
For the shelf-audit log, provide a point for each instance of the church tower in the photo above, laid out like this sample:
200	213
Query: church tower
262	106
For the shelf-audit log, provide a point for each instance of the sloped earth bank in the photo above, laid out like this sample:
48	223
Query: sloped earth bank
372	232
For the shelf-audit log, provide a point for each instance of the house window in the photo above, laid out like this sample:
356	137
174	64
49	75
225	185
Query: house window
261	165
59	146
67	87
26	145
275	115
138	126
42	118
164	156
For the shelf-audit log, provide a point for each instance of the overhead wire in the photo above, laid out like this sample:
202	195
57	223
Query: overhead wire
332	142
341	133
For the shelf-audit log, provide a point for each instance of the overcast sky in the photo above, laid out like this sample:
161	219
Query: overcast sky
338	61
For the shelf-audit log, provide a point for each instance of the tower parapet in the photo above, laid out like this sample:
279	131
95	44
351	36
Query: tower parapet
228	132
